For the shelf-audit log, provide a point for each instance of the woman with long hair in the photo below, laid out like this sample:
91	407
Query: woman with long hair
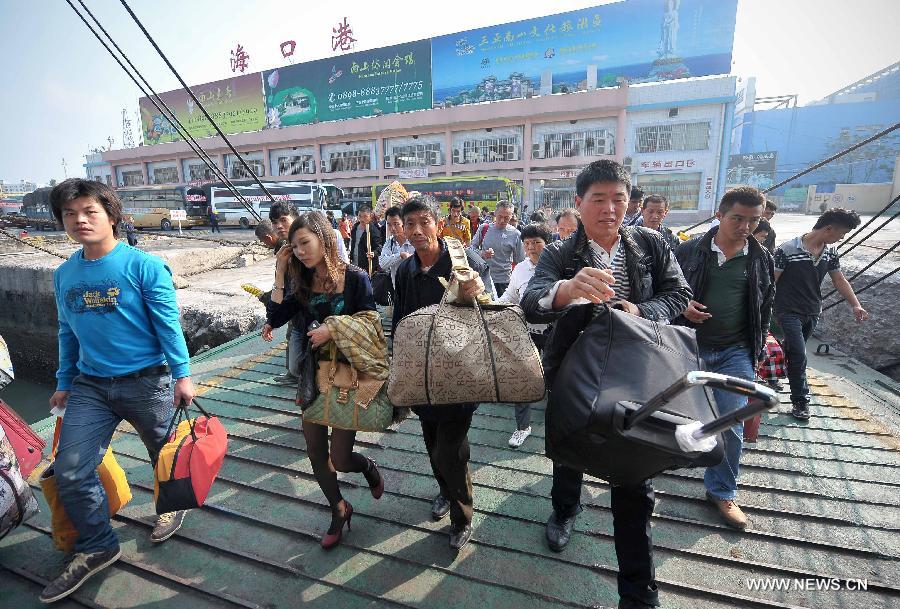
321	286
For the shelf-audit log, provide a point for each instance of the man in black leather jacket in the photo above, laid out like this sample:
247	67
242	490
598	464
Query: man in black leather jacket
630	268
733	280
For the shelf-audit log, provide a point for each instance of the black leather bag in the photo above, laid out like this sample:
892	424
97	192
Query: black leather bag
307	388
383	288
616	365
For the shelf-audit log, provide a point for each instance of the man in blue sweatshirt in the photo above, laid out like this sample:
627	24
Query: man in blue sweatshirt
122	356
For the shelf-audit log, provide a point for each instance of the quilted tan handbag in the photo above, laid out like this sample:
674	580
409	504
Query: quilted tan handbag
452	353
348	400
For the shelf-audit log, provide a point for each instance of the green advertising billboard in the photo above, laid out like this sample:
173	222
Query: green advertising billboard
367	83
235	104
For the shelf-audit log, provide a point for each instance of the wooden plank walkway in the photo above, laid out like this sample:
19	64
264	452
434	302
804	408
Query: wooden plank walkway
822	499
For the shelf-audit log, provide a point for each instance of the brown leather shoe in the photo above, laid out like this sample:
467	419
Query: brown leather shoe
731	513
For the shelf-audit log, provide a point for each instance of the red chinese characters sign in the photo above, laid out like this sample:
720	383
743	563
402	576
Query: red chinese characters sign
668	165
342	36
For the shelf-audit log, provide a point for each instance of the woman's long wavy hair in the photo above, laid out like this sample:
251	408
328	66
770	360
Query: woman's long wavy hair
301	276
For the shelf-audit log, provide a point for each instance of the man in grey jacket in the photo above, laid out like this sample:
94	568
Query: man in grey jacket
500	245
630	268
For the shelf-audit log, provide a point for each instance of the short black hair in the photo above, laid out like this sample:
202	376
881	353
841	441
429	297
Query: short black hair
838	216
536	230
76	188
762	227
363	209
419	203
603	170
655	199
456	202
392	211
770	205
538	217
264	228
569	212
281	209
636	193
742	195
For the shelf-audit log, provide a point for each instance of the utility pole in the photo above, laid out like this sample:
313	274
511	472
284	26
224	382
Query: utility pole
65	172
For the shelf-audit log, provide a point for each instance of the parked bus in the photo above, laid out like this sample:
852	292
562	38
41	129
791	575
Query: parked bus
232	212
36	209
473	190
151	206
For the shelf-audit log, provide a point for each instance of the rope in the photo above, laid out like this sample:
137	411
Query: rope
812	168
864	288
865	268
30	244
156	101
860	242
849	239
199	105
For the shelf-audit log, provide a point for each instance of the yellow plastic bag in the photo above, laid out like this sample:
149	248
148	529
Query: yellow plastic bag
114	482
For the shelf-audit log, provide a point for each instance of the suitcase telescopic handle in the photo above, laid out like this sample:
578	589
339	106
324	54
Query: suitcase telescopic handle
713	380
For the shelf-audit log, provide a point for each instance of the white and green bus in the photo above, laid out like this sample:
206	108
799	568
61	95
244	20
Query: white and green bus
231	211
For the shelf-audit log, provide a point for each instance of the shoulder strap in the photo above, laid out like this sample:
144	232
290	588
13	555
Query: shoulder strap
458	259
484	230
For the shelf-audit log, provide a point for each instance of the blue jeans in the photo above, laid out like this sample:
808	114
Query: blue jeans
721	480
796	330
95	407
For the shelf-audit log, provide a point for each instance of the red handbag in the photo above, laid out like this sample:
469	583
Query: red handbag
26	444
189	462
773	366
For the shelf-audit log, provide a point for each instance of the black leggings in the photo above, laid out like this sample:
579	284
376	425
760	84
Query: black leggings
342	458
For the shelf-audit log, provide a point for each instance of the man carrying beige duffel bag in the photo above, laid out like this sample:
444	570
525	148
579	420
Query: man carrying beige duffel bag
448	357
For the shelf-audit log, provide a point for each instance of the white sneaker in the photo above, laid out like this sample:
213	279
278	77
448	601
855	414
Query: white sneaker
518	437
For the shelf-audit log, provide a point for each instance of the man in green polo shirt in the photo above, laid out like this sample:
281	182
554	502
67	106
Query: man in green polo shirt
732	278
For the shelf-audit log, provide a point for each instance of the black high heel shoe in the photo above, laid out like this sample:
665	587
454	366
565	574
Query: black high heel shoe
329	540
377	489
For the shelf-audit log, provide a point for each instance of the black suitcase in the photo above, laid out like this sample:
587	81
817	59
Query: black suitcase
621	390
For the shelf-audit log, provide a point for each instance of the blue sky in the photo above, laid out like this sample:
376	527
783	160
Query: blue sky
63	95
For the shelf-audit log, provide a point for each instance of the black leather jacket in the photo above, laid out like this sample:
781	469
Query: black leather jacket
658	287
696	255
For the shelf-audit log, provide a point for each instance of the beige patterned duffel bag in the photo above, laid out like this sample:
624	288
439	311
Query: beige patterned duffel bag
452	353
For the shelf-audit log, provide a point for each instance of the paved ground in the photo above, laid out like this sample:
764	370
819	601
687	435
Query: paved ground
822	499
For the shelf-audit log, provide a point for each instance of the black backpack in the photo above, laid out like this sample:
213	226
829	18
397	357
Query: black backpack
617	364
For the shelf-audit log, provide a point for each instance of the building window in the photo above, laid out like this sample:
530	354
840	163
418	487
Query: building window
558	193
237	171
296	165
488	150
348	160
165	175
677	136
414	155
132	178
681	189
595	142
198	172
